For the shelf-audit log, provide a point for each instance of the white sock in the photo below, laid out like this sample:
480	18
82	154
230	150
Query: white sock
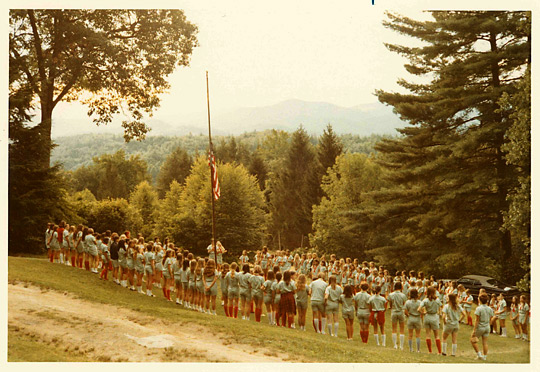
394	339
480	354
269	316
336	325
504	331
323	325
330	329
454	349
61	258
376	335
401	341
383	340
316	324
444	347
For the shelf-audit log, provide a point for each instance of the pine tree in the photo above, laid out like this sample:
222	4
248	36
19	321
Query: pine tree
329	148
294	190
450	177
175	168
258	168
518	153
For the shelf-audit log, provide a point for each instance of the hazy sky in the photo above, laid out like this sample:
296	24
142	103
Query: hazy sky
261	55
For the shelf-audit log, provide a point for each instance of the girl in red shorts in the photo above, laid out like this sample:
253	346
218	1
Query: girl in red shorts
377	306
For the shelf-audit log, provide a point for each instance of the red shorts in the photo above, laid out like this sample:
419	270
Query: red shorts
377	315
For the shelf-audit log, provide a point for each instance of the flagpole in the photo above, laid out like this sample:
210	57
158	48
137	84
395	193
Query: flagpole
211	149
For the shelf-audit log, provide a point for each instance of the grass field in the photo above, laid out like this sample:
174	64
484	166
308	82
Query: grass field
297	345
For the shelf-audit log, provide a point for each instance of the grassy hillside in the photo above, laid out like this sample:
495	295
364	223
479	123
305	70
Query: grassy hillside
304	346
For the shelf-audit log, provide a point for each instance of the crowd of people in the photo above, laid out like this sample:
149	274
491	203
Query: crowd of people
283	284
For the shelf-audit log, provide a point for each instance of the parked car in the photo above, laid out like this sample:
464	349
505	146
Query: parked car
491	285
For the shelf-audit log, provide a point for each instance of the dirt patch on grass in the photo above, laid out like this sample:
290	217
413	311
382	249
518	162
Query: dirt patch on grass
107	333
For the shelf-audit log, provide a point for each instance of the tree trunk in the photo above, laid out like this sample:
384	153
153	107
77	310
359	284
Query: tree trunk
44	130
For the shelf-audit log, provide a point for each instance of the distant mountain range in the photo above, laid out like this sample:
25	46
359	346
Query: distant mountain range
363	120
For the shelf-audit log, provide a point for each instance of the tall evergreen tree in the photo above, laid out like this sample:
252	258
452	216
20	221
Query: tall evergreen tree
294	190
329	148
518	153
451	180
258	168
175	168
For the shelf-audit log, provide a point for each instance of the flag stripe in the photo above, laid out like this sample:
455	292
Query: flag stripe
215	181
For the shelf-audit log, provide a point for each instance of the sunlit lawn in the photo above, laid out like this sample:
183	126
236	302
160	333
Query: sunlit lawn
298	345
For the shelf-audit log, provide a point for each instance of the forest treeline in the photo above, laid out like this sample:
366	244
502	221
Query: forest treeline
75	151
450	195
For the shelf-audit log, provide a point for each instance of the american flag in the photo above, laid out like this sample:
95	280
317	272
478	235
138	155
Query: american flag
215	181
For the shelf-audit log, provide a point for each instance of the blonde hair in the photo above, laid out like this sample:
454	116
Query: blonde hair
233	269
301	282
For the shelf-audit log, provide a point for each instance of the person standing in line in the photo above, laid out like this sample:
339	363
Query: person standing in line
301	297
414	323
347	311
317	288
113	251
500	314
431	306
332	295
158	272
362	311
199	284
224	285
481	329
177	274
233	291
256	283
397	301
167	274
245	291
277	298
106	259
139	267
48	234
287	304
452	312
244	259
267	297
210	274
377	307
149	268
523	316
192	291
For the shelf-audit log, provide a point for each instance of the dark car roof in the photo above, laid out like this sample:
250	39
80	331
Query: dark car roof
477	277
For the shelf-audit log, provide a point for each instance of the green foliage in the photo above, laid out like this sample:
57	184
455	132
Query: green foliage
82	202
119	57
240	216
143	201
258	168
111	175
328	148
449	178
110	214
518	153
293	190
36	195
76	151
175	168
168	210
339	221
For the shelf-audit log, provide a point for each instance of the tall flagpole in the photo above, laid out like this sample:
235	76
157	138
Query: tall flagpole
211	149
